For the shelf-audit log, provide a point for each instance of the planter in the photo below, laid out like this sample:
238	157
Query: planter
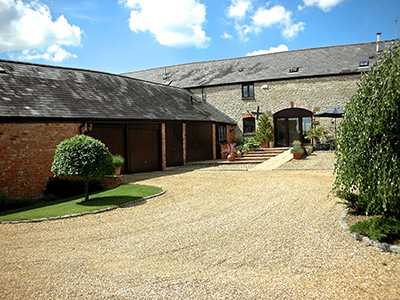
231	157
118	170
297	155
264	145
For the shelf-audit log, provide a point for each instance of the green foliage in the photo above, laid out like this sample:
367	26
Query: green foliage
118	160
84	157
317	133
383	229
252	143
368	139
297	147
264	131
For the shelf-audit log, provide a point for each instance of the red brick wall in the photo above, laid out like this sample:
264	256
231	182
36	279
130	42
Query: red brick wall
26	155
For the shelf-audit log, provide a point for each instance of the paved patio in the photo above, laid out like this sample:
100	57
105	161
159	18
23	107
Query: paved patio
219	232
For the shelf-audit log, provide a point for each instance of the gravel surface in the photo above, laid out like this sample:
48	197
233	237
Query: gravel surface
217	233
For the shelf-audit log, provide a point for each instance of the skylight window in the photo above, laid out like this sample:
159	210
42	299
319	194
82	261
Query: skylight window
2	71
294	70
364	63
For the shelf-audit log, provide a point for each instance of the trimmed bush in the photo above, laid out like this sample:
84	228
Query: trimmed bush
84	157
264	131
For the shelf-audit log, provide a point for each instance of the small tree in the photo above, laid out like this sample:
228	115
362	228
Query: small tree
264	132
84	157
368	139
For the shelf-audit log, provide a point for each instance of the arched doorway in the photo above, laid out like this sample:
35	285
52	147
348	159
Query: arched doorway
292	124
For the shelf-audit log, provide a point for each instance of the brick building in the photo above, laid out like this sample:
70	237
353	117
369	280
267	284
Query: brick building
152	125
289	86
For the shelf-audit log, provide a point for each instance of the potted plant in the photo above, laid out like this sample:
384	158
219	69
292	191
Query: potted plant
308	149
264	132
118	161
318	134
230	151
297	150
252	143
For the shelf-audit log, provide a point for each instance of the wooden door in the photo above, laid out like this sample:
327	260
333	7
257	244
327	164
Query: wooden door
113	136
144	148
199	141
174	145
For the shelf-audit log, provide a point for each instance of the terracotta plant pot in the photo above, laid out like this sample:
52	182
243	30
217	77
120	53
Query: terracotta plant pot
264	145
297	155
118	171
231	157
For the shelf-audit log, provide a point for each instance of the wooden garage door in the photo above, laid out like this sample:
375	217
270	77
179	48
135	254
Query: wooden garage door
174	144
199	141
144	148
113	136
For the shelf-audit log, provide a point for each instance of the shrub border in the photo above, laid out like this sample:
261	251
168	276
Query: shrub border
128	204
383	246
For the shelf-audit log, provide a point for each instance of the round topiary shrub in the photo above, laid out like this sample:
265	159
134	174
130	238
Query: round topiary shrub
84	157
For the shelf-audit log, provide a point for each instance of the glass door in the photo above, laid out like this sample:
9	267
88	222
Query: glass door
293	130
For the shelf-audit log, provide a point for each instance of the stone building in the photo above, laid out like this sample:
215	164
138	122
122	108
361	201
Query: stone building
290	87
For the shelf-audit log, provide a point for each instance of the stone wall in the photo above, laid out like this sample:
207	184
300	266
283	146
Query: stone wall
315	94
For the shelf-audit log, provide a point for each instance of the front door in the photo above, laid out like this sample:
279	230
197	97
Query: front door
292	124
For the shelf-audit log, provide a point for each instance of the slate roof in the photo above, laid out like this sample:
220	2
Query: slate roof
324	61
38	91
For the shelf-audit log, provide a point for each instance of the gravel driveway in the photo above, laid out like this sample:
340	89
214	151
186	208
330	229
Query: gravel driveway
217	233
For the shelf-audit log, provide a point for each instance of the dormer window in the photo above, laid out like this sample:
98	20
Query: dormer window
364	63
294	70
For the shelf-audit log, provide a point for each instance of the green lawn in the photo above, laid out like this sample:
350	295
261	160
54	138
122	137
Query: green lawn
75	205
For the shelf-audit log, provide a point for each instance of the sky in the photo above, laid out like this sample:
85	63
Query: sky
118	36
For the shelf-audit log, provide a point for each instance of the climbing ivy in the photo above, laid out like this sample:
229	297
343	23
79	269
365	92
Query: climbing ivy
368	139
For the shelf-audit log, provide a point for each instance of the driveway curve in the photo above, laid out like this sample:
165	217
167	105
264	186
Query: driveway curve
217	233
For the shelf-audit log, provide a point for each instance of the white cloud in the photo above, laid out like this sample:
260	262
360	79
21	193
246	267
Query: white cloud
280	48
28	27
239	8
324	5
175	23
277	15
262	18
226	36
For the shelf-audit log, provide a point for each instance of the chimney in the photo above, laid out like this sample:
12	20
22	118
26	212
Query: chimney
378	39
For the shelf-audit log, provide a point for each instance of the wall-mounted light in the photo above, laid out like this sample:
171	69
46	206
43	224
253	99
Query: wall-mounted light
265	87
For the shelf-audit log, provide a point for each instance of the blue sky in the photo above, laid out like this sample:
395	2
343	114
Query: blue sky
127	35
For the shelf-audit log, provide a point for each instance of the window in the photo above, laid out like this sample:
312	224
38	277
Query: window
294	70
221	133
364	63
249	125
248	90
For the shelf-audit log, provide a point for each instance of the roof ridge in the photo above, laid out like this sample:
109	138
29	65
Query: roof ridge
250	56
84	70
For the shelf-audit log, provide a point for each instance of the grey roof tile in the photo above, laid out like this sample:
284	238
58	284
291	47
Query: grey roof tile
312	62
32	90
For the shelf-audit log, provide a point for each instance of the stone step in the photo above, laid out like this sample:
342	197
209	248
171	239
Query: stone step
261	155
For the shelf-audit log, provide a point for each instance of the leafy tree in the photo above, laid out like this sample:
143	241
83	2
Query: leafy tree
264	132
84	157
368	139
